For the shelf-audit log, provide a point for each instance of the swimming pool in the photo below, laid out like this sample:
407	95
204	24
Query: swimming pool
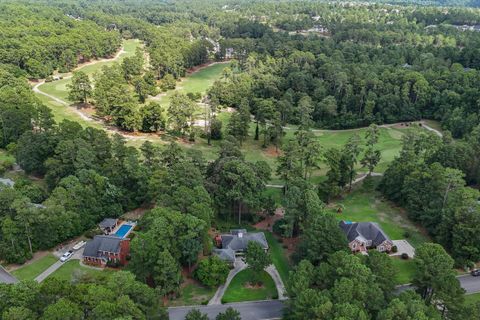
123	230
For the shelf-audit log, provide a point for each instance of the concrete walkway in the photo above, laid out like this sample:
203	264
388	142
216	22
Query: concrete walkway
54	267
273	272
238	266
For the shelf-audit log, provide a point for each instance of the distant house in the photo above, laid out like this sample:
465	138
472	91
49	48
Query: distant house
362	236
235	243
104	249
108	225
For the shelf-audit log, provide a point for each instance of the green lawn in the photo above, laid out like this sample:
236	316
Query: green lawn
237	290
365	205
59	88
193	294
472	298
279	257
5	156
405	270
31	271
73	268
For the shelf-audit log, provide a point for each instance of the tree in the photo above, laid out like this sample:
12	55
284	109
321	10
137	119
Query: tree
435	277
195	314
372	156
257	259
350	153
80	88
18	313
63	309
212	271
180	113
167	274
229	314
382	267
153	119
239	123
321	238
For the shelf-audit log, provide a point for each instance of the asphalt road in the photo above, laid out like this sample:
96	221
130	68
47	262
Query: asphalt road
6	277
255	310
273	309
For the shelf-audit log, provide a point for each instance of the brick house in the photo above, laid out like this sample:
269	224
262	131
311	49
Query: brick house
104	249
362	236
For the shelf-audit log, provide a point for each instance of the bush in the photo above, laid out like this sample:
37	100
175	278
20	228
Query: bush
279	227
194	96
212	271
404	256
407	234
168	83
394	249
216	129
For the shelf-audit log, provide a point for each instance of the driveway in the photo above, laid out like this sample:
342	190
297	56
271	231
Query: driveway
255	310
238	266
273	272
77	255
403	246
6	277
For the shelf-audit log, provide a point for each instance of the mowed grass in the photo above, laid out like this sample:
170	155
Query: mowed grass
405	270
34	269
472	298
367	205
59	88
193	294
279	257
73	268
239	291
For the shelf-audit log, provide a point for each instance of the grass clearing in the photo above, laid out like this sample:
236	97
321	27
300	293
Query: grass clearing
367	205
279	258
472	298
239	291
34	269
72	268
193	294
405	270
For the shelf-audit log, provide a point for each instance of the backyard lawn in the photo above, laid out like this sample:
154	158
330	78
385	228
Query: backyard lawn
193	294
73	268
32	270
278	255
238	289
367	205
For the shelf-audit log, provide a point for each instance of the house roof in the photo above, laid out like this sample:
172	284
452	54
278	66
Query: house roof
238	239
6	277
364	231
108	223
100	244
225	254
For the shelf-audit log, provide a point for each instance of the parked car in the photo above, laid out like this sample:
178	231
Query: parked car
67	255
475	273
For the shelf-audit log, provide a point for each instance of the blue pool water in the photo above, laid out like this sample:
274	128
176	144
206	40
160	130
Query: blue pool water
123	230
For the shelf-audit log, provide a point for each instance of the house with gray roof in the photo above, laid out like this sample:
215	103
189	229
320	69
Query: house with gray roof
102	250
235	243
362	236
108	225
6	277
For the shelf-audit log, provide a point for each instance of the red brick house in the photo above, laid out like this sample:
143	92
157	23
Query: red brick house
362	236
104	249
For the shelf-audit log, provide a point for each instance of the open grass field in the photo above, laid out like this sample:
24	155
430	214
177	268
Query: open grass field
59	88
73	268
472	298
405	270
279	257
31	271
193	294
365	204
239	291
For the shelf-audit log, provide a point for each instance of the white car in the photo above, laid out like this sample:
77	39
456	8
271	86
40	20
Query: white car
67	255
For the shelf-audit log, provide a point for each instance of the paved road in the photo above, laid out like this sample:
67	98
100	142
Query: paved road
469	283
256	310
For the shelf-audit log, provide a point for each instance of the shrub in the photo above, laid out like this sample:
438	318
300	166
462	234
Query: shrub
406	234
394	249
195	96
404	256
168	83
212	271
216	129
279	227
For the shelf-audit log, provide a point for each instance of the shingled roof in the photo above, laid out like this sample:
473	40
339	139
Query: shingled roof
238	239
225	254
364	231
108	223
100	244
